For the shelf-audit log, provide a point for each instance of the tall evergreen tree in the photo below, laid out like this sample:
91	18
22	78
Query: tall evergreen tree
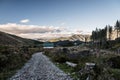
117	28
105	32
110	31
99	36
93	36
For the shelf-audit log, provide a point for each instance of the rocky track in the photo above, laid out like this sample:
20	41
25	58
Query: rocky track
39	67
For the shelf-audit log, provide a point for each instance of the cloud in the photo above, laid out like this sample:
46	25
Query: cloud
43	36
25	21
36	31
18	28
33	31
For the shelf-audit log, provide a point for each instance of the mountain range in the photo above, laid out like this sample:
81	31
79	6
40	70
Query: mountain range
74	37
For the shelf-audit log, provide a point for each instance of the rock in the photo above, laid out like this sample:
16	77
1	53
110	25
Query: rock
71	64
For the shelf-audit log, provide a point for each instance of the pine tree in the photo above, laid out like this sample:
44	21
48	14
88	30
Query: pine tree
110	31
117	28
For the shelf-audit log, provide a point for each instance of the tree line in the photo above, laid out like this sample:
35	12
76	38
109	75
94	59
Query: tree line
105	33
103	38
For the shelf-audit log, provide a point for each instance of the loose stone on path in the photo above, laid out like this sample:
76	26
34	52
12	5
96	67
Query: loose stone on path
39	67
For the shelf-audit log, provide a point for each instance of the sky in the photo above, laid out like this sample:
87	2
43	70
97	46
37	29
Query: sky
56	18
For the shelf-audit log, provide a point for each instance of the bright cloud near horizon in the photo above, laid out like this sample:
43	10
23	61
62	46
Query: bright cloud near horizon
33	18
25	21
35	31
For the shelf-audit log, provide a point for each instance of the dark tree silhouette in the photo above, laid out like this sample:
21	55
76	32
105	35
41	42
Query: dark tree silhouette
117	28
110	31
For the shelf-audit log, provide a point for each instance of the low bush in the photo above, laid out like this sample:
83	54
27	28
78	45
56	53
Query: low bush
114	62
13	58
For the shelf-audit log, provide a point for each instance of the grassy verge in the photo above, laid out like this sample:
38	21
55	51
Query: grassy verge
13	58
68	70
102	71
116	73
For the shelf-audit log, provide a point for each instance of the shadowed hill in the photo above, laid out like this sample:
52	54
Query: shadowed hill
9	39
14	52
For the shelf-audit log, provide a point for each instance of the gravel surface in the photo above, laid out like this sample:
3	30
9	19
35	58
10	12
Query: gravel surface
39	67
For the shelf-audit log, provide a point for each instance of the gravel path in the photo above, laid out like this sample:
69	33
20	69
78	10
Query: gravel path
39	67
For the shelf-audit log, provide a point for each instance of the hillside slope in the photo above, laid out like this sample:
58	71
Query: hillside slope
9	39
14	52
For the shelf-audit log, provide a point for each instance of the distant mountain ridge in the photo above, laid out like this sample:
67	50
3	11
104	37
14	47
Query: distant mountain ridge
74	37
